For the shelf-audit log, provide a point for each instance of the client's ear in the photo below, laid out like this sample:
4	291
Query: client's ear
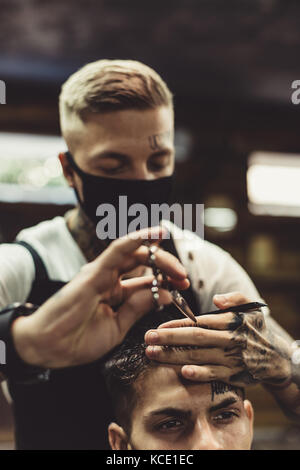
250	413
117	437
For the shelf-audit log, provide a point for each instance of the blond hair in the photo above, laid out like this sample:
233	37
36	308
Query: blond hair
111	85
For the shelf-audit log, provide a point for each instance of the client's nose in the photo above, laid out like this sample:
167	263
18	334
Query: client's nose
205	437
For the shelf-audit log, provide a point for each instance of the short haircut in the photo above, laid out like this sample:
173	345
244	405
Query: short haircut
111	85
128	362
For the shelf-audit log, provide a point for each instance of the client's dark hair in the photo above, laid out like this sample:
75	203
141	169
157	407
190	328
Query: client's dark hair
127	362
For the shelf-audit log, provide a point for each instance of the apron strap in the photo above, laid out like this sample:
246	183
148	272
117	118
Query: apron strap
40	269
42	287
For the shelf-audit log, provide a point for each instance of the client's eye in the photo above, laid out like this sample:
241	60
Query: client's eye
170	425
225	417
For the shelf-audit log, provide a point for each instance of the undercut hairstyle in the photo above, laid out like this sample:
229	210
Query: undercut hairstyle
128	363
111	85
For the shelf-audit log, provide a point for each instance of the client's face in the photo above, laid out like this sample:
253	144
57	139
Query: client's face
172	414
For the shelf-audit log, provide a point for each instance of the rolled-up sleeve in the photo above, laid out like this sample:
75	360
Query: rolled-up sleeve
17	273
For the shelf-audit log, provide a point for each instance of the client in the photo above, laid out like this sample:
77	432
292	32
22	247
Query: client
156	408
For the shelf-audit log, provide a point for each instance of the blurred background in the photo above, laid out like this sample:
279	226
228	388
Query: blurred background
230	65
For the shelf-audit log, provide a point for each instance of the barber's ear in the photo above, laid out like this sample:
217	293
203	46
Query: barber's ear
117	437
67	169
250	413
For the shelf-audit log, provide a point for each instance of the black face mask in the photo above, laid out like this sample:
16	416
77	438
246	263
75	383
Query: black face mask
99	190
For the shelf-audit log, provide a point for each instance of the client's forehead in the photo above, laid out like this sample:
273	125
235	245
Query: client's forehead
162	386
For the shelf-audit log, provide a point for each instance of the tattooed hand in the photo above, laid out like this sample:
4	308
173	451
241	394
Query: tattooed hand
232	347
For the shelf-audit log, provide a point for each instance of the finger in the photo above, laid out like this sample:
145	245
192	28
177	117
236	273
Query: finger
229	300
126	289
165	261
209	373
224	321
180	323
190	355
188	336
124	246
129	286
180	284
138	305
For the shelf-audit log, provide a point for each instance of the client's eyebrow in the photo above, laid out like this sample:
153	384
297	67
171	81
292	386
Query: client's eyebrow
187	414
223	404
170	411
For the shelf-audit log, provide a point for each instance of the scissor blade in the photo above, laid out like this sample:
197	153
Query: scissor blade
182	305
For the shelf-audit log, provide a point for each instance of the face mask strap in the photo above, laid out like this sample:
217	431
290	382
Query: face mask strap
79	172
74	165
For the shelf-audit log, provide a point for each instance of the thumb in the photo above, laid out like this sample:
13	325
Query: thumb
229	300
140	303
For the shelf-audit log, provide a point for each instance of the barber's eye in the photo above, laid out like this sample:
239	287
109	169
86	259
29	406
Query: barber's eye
157	166
225	417
112	171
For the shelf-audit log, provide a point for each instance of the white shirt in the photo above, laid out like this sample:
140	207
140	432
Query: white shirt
211	269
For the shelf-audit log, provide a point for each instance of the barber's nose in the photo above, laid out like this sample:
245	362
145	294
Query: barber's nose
141	172
205	438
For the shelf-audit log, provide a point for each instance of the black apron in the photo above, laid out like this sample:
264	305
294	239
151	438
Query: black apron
72	410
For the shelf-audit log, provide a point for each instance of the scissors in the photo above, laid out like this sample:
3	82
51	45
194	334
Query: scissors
177	298
184	308
181	303
238	308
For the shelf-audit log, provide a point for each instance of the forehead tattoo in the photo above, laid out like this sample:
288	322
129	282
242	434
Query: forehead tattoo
158	141
220	387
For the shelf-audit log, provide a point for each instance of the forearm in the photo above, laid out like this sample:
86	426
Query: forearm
287	394
288	399
13	364
24	342
22	339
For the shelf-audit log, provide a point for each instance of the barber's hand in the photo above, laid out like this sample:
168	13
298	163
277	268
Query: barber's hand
231	347
92	313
